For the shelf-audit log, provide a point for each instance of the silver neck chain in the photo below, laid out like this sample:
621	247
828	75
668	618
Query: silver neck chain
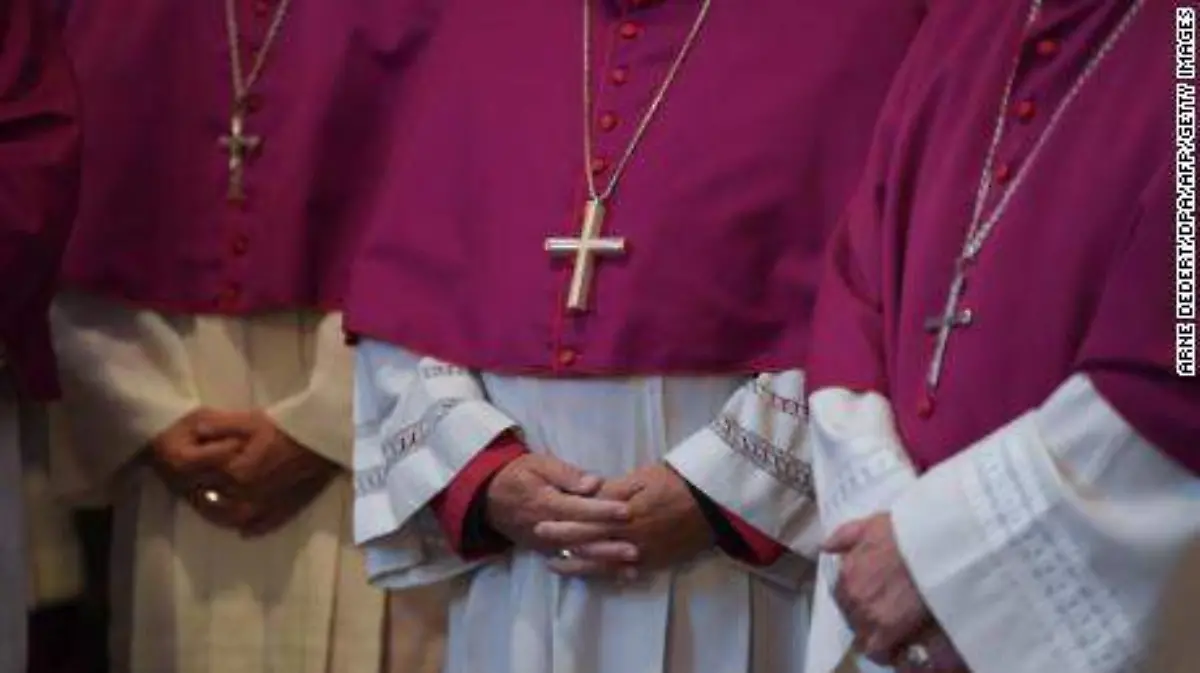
651	112
243	84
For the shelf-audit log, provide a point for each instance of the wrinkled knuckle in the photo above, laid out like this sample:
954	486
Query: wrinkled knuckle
859	590
876	617
850	593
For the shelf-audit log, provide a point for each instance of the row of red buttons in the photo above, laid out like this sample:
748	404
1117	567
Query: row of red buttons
609	121
1025	110
619	76
239	245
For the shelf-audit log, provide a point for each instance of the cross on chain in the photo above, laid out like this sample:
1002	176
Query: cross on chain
585	249
239	146
943	325
982	224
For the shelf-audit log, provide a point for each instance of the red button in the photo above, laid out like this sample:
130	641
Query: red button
924	405
262	7
1048	47
619	75
240	244
567	356
629	30
230	295
1025	110
599	165
1003	173
608	121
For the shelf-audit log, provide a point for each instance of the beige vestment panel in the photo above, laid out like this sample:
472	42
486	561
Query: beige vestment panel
191	597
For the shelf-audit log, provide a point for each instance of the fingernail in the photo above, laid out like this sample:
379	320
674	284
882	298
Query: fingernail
629	574
631	554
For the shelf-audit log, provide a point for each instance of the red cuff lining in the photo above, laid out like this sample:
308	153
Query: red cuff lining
453	505
763	550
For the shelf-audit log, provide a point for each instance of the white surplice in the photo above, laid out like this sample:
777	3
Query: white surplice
14	574
420	421
190	597
1042	548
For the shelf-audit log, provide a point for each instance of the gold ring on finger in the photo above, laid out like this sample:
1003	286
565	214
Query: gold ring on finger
211	496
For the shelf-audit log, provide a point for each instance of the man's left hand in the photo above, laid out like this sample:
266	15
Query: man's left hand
875	591
666	526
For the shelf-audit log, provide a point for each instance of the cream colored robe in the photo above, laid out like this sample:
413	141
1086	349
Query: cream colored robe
191	597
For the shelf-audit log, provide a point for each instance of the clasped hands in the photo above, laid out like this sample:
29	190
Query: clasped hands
238	469
880	600
645	520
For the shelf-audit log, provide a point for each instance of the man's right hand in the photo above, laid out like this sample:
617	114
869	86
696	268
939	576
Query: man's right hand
191	466
536	488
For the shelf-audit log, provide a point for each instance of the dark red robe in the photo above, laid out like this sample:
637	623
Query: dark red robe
39	176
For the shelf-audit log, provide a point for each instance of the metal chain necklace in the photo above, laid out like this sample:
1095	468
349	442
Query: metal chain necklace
237	143
590	243
982	223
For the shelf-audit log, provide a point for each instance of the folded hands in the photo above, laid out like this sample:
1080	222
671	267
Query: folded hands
238	470
644	520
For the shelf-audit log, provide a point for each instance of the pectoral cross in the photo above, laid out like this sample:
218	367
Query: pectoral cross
585	249
239	146
951	318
